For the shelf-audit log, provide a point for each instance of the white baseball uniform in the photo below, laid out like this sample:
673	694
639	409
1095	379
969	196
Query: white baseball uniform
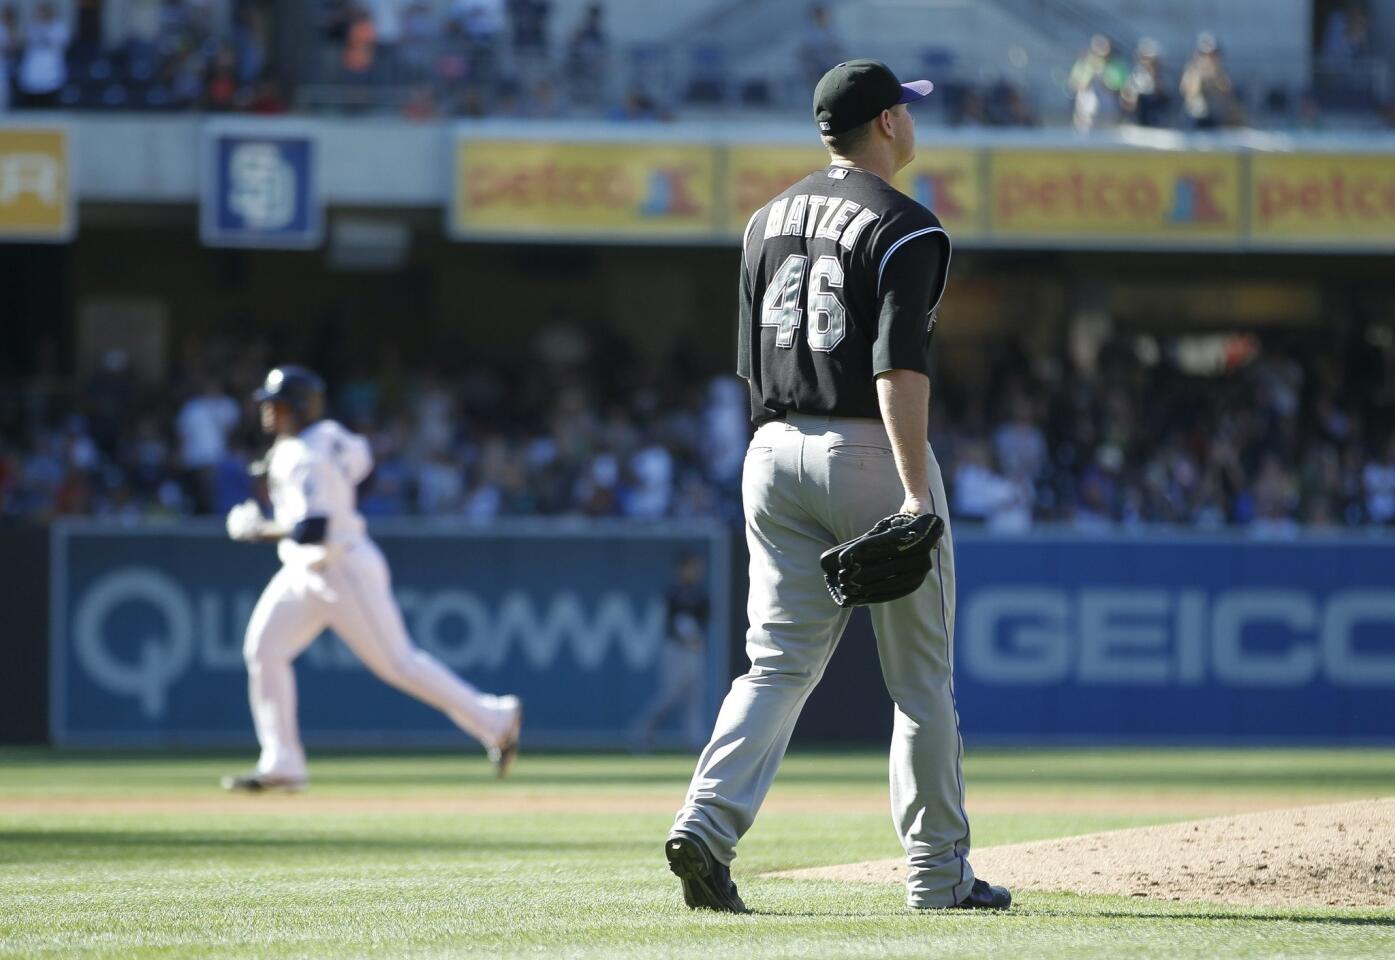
343	584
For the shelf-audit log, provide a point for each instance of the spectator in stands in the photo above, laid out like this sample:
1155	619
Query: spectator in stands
985	496
725	428
1145	97
387	35
649	494
1346	35
421	103
1276	500
9	50
334	18
184	74
421	37
588	51
43	68
359	55
1207	92
479	27
1308	113
820	48
221	91
1378	483
1094	512
1006	105
482	20
1096	81
204	424
248	44
543	102
267	99
1019	446
528	23
638	107
87	42
108	397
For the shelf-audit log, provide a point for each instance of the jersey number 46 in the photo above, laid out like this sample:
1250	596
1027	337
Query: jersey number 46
828	318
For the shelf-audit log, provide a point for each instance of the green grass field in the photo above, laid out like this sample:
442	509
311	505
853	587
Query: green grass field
135	856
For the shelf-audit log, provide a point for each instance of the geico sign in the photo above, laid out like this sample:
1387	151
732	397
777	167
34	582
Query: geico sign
203	628
1150	637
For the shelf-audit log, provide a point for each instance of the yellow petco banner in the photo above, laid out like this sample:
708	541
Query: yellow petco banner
36	198
947	181
1145	198
1306	200
531	188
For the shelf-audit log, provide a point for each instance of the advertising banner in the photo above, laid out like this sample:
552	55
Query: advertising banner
1307	200
576	190
1135	197
945	180
756	174
260	191
1176	639
147	630
950	183
36	189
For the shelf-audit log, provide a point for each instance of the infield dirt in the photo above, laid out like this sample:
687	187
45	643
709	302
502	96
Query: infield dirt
1333	855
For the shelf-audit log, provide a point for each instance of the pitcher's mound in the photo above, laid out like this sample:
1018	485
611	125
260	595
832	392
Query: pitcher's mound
1338	855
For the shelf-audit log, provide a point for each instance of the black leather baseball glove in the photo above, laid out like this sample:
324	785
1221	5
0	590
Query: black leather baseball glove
885	563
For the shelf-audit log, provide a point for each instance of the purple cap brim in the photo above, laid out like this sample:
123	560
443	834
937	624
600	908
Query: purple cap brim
915	90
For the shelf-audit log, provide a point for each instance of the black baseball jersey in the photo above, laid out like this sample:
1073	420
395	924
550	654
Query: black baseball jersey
840	278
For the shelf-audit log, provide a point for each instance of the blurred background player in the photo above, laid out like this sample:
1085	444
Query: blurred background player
334	576
682	660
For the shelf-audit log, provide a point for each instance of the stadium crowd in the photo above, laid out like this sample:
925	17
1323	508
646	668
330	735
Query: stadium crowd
170	54
516	59
1108	90
1279	437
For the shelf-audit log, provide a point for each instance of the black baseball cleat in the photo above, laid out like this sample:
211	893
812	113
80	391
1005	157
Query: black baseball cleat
984	896
504	754
707	884
259	783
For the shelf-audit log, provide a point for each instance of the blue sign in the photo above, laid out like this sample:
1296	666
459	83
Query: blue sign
147	630
1175	639
261	191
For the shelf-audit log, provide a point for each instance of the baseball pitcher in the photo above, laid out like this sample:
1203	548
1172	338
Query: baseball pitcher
840	278
334	576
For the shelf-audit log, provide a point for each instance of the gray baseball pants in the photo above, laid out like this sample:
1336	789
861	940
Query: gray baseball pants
811	482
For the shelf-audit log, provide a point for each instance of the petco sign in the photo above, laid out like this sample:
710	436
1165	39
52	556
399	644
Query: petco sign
148	634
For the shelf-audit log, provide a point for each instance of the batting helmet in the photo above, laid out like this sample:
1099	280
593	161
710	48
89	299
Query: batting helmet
299	388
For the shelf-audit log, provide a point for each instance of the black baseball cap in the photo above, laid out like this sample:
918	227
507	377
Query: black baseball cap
857	91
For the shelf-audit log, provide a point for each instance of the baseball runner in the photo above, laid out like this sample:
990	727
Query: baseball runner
332	575
840	278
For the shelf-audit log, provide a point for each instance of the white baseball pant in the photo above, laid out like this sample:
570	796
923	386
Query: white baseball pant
352	596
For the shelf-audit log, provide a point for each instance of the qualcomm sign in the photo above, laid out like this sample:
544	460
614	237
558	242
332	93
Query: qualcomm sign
1265	638
148	632
203	629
